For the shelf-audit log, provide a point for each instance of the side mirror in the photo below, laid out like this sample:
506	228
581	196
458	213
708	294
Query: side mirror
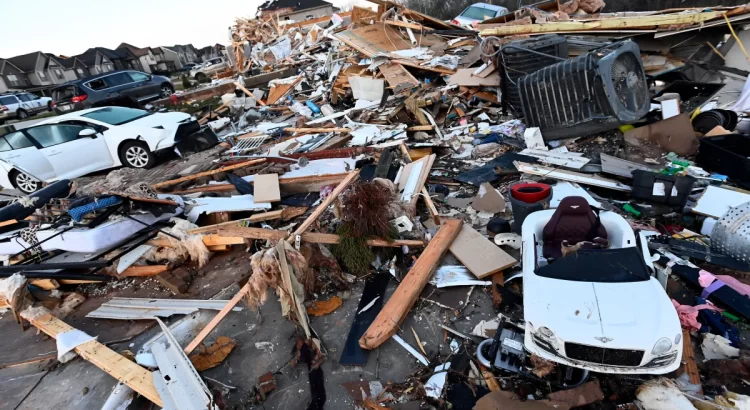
87	133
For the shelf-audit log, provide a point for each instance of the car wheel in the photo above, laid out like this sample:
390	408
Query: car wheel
166	91
135	154
24	183
50	108
22	115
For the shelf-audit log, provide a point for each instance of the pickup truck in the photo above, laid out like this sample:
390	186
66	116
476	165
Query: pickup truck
209	68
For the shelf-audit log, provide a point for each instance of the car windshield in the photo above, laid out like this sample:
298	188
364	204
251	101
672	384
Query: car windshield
478	13
599	265
117	115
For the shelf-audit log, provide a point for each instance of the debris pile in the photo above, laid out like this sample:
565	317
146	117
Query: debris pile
388	176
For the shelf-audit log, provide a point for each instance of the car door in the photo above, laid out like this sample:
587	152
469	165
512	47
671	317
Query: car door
144	87
34	101
70	154
27	103
121	85
26	157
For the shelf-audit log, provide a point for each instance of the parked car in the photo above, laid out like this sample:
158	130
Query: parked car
72	145
126	88
477	13
209	68
23	105
595	304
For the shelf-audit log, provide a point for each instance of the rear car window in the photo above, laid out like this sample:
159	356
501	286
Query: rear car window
7	100
18	140
116	115
64	93
98	84
478	13
51	135
4	146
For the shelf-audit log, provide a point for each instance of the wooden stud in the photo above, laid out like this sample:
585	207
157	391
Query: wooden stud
234	235
404	24
316	130
219	248
397	307
217	319
293	212
46	284
207	173
265	216
113	363
76	281
420	128
311	183
217	240
145	270
324	205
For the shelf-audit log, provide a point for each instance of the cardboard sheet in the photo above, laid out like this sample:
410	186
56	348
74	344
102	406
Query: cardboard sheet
267	188
481	256
673	134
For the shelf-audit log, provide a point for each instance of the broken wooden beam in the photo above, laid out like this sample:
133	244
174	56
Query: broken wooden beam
397	307
218	240
144	270
297	185
235	234
265	216
217	319
420	128
208	173
316	130
101	356
332	239
404	24
614	23
324	205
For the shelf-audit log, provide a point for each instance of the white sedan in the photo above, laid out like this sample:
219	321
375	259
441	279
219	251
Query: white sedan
76	144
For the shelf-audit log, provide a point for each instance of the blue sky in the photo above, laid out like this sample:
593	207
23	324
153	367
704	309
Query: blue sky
69	27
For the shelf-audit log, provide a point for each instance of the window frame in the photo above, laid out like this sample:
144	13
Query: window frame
26	137
42	75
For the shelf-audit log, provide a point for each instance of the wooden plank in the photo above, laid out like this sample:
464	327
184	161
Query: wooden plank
266	188
46	284
420	128
252	233
76	281
218	240
291	212
397	307
480	256
332	239
615	23
311	183
207	173
398	77
113	363
688	358
265	216
145	270
324	205
405	24
316	130
217	319
219	248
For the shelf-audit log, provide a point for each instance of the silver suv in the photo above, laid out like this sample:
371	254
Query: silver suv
23	105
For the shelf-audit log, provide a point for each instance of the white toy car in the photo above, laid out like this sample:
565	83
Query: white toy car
76	144
598	308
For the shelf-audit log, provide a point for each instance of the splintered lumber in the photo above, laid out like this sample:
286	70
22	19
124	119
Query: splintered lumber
116	365
324	205
218	240
265	216
316	130
145	270
688	358
332	239
614	23
404	24
46	284
217	319
236	234
207	173
397	307
398	77
311	183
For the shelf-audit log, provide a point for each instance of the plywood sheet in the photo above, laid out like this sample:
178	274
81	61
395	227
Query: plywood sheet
464	77
380	38
480	256
398	77
267	188
673	134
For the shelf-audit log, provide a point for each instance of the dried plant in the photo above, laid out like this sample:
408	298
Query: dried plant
367	208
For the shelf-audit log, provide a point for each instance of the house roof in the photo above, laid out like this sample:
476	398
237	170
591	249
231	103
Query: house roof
137	51
271	5
88	58
119	54
26	62
180	47
66	62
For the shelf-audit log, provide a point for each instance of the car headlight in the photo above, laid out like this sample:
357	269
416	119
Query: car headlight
662	346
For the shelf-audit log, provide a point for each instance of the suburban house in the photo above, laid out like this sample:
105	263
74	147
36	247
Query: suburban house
72	68
187	53
40	69
167	60
214	51
145	56
296	10
11	77
122	58
95	62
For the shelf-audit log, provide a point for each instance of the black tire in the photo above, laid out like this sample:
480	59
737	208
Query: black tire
49	106
166	90
135	154
22	115
23	182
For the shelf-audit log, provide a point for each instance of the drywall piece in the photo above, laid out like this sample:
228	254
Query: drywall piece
564	189
134	309
568	160
413	177
401	301
131	257
231	204
670	108
481	256
465	77
455	275
267	188
180	379
571	176
617	166
533	139
716	201
488	200
674	134
411	350
366	88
